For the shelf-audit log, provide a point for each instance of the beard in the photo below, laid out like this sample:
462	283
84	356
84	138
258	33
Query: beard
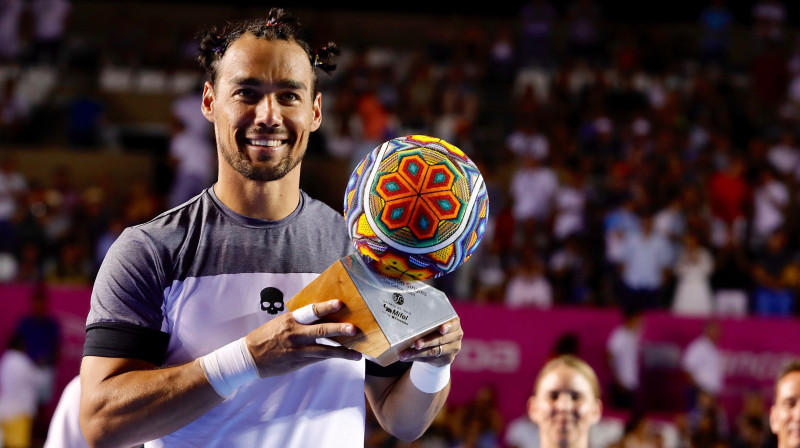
240	162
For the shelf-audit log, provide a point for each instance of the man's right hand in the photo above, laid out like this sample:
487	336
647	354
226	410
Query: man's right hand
283	345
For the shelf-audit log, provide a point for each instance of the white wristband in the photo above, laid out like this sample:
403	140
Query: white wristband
429	378
229	367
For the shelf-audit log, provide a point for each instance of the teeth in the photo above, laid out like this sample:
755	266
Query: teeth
264	142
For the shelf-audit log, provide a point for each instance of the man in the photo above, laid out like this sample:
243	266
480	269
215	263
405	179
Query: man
646	257
566	403
174	291
702	362
623	356
784	415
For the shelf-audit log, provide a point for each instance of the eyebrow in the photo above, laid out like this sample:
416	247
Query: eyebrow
283	84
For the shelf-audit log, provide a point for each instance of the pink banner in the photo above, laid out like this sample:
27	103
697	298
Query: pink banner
504	349
69	305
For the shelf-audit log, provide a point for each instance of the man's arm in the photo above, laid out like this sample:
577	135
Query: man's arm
125	402
399	405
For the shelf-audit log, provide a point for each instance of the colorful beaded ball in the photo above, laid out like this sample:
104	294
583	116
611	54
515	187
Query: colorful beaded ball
416	207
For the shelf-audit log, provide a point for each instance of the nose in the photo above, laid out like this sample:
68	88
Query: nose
268	113
795	412
564	402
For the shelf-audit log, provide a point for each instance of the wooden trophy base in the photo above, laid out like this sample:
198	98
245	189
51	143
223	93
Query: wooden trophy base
389	314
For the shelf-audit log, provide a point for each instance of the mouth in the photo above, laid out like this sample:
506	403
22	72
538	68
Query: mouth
264	143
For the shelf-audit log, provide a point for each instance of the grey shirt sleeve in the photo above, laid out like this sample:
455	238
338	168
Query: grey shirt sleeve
126	305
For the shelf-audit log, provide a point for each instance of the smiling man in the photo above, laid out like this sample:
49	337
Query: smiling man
784	416
565	403
188	341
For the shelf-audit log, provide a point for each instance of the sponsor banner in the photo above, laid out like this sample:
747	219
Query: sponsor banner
504	349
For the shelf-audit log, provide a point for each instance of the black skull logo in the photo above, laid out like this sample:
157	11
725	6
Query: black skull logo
271	300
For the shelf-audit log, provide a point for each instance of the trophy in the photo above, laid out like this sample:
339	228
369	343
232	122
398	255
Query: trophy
416	208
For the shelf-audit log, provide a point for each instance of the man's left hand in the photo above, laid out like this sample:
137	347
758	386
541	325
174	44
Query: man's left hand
438	348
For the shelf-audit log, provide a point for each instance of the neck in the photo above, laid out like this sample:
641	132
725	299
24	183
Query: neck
272	200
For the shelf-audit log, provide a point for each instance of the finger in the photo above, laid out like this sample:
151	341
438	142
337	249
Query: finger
305	315
328	307
435	339
326	330
435	352
321	351
450	326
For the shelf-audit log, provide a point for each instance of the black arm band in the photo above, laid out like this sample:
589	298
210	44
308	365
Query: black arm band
122	340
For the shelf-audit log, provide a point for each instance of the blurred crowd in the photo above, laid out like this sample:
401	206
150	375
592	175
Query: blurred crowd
643	168
631	167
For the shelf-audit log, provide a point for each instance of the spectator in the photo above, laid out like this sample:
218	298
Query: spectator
568	270
773	294
769	17
13	187
717	24
490	273
191	151
527	140
532	188
15	111
728	198
623	349
585	20
731	280
20	383
479	423
708	422
50	25
694	267
10	19
569	202
644	263
528	286
752	422
784	155
537	28
702	361
41	336
566	389
770	203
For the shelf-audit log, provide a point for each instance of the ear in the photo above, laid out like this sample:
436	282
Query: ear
317	106
532	409
774	424
597	412
208	101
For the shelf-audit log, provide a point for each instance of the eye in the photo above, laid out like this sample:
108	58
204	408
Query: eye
290	96
553	395
246	93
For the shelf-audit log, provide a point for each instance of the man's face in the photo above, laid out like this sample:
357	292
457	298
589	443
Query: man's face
263	107
784	417
564	407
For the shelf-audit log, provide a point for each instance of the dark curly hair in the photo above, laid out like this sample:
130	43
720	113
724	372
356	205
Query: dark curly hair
278	24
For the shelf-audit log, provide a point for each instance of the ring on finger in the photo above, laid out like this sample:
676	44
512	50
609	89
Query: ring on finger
440	352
